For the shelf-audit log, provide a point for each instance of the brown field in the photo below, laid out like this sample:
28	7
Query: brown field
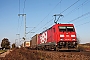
27	54
84	47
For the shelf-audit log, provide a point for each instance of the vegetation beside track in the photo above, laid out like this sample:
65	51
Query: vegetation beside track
84	47
2	51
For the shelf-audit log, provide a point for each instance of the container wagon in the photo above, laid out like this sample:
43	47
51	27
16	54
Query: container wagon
34	42
26	44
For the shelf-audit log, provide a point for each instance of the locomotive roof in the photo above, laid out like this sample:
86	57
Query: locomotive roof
59	24
64	24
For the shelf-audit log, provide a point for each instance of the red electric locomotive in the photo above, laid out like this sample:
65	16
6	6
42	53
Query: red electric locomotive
58	37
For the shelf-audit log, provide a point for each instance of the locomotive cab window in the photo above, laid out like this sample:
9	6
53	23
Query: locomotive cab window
62	28
70	28
66	28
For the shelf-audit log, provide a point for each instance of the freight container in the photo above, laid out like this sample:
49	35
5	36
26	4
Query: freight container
27	44
34	41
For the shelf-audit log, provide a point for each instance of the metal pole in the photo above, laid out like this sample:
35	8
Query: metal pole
16	42
24	24
18	38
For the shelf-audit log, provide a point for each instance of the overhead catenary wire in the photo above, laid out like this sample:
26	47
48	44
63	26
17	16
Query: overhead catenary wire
65	9
83	24
79	17
18	17
68	8
23	13
19	6
85	2
24	6
47	15
18	25
20	22
46	27
50	11
45	24
79	6
18	32
82	19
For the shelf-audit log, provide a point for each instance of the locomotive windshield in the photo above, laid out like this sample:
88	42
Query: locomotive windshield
66	28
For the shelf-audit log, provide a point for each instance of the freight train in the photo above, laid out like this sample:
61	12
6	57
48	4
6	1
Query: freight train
58	37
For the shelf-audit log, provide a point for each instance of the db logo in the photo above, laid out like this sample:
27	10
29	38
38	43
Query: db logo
43	37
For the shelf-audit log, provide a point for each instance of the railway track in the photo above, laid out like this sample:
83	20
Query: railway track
66	55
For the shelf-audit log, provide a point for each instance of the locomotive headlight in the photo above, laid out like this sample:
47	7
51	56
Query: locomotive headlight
72	35
61	35
74	43
73	39
61	39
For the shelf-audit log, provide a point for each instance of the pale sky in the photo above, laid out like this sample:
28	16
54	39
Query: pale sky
39	14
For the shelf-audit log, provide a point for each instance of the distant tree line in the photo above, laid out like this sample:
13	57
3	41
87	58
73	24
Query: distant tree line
5	44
